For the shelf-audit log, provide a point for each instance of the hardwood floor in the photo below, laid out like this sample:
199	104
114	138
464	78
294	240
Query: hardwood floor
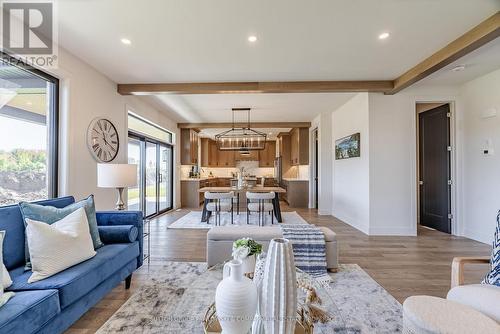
404	266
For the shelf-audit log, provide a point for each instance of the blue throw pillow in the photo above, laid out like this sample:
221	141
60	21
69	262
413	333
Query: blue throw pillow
493	276
49	214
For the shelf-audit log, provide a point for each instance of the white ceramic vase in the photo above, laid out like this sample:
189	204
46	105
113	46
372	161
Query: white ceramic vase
258	324
278	298
248	264
235	300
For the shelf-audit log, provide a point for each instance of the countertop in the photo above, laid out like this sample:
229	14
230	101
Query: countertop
222	177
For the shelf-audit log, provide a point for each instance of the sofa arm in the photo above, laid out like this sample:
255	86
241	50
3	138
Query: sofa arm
457	268
118	218
118	234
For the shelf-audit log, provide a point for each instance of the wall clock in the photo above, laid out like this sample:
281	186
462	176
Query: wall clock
102	140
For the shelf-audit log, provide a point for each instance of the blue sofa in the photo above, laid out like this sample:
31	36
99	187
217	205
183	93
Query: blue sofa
53	304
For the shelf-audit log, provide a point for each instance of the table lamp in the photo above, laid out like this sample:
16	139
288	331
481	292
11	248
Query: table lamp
119	176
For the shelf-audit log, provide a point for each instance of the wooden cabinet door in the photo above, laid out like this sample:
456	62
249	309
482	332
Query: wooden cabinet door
194	147
204	152
213	154
266	156
294	146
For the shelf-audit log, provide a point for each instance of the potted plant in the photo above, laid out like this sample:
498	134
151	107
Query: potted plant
245	249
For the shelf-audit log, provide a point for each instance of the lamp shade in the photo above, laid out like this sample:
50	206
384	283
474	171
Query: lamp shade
116	175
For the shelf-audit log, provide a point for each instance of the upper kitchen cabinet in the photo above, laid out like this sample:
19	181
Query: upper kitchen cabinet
211	156
226	159
189	147
299	144
267	156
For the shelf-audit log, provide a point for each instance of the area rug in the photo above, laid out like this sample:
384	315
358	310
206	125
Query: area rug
193	220
173	298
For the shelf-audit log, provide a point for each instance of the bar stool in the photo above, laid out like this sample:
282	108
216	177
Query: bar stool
261	204
219	202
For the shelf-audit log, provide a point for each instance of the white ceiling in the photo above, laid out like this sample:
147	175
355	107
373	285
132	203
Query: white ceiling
264	107
193	40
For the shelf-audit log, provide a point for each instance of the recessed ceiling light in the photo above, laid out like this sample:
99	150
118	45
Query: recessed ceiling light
383	35
252	39
126	41
458	68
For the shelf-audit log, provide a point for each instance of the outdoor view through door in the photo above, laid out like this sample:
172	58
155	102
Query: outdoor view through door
434	167
149	147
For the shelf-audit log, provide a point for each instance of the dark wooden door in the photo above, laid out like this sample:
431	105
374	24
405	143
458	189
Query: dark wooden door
434	169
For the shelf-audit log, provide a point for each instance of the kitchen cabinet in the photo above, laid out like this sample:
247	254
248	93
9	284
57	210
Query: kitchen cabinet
297	193
284	149
213	154
209	153
212	157
299	144
189	147
267	156
226	159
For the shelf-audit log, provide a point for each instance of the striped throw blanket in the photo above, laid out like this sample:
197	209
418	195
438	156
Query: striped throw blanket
309	250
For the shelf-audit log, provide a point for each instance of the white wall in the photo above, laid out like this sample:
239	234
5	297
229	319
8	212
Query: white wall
351	198
393	173
481	174
86	94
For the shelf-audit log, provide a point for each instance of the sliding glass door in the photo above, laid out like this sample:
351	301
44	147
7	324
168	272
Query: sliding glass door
134	157
154	193
165	177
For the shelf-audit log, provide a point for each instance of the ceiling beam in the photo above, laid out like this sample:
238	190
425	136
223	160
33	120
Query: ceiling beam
240	125
478	36
256	87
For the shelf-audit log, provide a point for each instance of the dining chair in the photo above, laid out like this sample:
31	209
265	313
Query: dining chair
261	203
219	202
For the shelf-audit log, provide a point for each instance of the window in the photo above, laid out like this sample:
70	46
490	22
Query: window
149	147
28	134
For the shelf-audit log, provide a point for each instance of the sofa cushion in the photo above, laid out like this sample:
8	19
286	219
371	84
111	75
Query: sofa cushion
484	298
27	311
264	233
11	221
77	281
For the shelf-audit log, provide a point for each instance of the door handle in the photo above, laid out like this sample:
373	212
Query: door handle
421	183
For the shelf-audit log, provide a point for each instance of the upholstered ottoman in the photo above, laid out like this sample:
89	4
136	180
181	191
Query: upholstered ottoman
220	242
426	314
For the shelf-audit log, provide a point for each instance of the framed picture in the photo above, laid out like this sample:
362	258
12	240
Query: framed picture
348	147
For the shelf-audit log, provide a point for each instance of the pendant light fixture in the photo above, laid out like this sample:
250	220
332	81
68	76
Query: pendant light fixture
242	139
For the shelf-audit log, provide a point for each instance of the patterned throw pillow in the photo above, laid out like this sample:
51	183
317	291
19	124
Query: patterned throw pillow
49	215
494	275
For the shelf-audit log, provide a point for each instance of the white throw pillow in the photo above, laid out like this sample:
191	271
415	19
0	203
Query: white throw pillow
6	281
58	246
6	278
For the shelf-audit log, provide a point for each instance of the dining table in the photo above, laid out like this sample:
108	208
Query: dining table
239	190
